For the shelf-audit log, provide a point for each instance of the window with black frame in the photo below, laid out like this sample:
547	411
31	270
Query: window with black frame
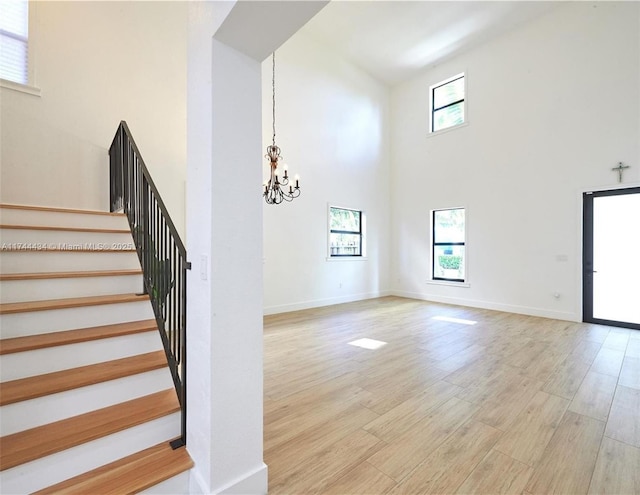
447	100
345	232
448	245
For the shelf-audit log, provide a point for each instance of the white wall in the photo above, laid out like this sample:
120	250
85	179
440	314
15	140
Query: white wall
332	126
225	240
552	107
228	351
98	63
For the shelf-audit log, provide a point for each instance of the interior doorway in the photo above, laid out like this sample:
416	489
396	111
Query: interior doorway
611	257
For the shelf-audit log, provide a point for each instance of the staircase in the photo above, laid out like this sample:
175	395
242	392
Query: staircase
87	401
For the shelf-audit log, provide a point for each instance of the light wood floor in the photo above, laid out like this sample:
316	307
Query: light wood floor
509	404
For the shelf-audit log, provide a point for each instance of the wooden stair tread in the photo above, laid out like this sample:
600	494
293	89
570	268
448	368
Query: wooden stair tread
59	210
54	339
28	445
60	381
74	302
64	229
84	274
128	475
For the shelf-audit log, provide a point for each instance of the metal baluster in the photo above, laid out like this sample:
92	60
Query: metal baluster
160	250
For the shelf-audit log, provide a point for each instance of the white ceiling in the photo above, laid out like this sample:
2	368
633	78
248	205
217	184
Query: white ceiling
394	40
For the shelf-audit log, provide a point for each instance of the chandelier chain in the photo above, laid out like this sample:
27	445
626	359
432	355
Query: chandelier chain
273	85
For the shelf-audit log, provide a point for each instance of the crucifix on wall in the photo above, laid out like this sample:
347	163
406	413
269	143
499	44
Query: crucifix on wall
620	168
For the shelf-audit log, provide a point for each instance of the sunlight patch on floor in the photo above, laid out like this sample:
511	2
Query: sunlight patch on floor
368	343
454	320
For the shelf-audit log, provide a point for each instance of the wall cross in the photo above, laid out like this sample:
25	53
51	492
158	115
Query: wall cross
620	168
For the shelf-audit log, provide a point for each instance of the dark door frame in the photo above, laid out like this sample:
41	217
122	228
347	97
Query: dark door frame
587	256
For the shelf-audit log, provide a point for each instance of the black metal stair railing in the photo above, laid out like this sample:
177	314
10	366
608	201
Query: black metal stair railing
161	252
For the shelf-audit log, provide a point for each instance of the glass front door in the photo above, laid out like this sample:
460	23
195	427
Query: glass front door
611	260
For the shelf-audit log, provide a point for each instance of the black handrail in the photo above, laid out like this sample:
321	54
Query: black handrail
161	252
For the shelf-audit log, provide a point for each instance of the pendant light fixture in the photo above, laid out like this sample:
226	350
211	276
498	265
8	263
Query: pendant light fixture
278	187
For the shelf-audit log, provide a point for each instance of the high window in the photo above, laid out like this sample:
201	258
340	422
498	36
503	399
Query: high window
447	103
14	40
345	232
448	252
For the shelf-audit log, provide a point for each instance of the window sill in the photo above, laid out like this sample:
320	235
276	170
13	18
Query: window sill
448	129
346	258
21	88
451	284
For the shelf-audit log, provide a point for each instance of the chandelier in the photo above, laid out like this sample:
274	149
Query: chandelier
275	188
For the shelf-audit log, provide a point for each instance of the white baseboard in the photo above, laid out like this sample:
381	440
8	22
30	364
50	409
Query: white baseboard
507	308
317	303
255	482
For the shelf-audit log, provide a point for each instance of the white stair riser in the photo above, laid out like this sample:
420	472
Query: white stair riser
10	216
61	466
64	357
60	239
66	261
62	288
173	486
43	410
37	322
